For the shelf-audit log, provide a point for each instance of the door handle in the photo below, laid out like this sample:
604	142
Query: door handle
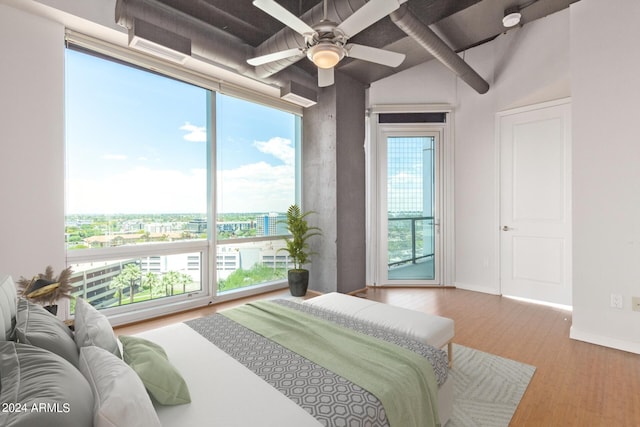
506	228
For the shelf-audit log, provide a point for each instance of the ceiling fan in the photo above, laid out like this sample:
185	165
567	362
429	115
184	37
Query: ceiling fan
326	42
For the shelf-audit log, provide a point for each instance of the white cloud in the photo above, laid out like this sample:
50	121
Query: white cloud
195	133
257	187
114	157
260	186
405	191
403	179
141	190
280	148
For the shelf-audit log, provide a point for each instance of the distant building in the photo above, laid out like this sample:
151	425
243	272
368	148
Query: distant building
197	225
78	222
107	241
132	226
159	228
234	226
269	225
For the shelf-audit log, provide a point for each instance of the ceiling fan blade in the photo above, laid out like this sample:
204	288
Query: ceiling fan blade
325	77
373	54
261	60
371	12
284	16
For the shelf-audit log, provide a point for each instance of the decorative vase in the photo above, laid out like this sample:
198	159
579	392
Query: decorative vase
298	282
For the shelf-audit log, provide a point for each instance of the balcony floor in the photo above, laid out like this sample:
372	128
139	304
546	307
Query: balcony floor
421	270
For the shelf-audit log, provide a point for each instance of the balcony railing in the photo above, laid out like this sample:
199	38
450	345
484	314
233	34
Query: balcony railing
400	234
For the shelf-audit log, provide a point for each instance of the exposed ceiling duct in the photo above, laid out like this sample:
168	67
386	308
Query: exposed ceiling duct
411	25
208	42
221	48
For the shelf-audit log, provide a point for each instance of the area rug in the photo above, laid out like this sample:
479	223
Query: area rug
486	388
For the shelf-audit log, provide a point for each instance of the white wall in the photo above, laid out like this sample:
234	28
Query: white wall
585	54
527	65
31	144
605	65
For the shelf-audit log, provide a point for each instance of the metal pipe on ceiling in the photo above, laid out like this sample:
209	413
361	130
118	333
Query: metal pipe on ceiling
222	48
411	25
207	41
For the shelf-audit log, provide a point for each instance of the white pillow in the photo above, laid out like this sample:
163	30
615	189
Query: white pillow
36	326
32	376
93	328
120	399
7	308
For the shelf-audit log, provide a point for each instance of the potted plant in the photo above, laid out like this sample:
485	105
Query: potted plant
298	248
46	289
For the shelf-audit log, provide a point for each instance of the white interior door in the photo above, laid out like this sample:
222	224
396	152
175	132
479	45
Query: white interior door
535	202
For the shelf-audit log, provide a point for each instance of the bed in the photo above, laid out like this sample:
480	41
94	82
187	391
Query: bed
232	373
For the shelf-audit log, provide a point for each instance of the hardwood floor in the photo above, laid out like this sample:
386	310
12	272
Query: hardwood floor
575	383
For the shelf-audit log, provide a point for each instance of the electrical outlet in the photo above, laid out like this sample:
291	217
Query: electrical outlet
616	301
635	303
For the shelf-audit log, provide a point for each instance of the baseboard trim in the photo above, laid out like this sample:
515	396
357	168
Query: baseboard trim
410	286
477	288
618	344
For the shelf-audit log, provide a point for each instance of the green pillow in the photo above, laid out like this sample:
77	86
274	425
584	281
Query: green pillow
161	379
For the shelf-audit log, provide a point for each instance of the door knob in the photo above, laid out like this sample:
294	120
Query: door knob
505	228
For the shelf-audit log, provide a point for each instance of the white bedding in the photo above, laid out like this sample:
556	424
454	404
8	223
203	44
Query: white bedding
223	392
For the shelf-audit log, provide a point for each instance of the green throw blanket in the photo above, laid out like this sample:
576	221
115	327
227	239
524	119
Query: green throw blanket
402	380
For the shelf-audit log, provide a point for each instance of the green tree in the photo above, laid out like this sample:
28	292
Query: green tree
131	274
184	280
118	283
169	280
151	281
172	278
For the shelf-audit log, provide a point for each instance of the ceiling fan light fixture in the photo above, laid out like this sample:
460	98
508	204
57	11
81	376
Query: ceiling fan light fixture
511	17
325	55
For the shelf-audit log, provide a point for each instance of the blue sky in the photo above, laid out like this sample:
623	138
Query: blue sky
136	143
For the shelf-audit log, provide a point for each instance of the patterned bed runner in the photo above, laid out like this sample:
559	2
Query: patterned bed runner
330	398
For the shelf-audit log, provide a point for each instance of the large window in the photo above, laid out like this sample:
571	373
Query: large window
145	223
256	153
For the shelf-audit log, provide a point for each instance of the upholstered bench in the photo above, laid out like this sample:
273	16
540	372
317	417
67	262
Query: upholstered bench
428	328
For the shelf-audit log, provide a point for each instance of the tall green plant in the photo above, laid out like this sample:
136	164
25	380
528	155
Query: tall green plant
300	231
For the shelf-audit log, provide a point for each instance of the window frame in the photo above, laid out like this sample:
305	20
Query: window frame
207	247
129	313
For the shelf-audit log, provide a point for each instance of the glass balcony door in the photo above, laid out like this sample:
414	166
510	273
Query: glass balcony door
409	208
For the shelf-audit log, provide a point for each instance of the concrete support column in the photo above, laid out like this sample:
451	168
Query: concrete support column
333	173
